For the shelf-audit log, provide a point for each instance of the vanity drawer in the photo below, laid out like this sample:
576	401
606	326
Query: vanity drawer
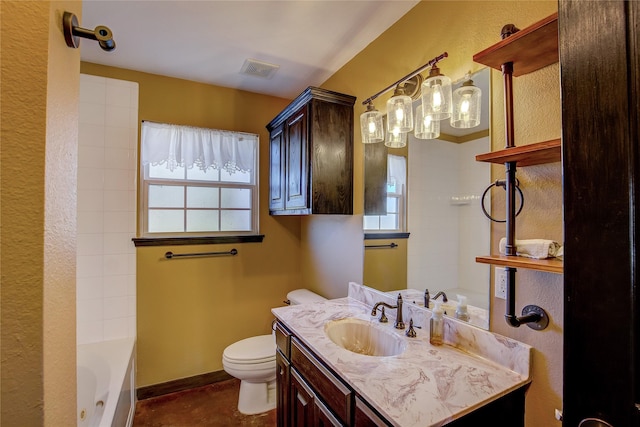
332	391
283	338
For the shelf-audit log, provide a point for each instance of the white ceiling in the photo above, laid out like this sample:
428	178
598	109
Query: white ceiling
209	40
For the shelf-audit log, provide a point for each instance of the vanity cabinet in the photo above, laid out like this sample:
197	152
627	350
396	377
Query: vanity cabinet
310	394
311	155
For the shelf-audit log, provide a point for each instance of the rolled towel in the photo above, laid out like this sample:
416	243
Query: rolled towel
533	248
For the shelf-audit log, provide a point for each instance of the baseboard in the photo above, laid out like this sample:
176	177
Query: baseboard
181	384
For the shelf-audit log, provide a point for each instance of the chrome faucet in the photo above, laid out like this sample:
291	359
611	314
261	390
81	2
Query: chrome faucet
399	323
427	297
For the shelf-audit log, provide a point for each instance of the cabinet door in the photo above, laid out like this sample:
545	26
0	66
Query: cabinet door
323	416
283	386
302	402
366	417
297	158
277	163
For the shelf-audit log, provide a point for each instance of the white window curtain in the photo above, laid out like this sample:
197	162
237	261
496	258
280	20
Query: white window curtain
186	146
397	171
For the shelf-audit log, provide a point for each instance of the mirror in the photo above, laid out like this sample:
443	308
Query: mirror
444	221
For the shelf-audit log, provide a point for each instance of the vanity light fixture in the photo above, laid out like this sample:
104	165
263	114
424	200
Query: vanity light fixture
400	111
436	95
466	105
426	127
371	126
395	138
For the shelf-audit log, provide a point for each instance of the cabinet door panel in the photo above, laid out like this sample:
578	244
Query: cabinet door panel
331	158
297	161
366	417
328	387
283	382
276	171
323	416
302	405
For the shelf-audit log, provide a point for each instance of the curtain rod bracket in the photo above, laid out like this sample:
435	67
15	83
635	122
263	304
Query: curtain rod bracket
72	32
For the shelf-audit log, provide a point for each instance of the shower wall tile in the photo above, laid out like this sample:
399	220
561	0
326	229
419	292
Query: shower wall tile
115	286
90	179
90	135
116	222
93	114
107	164
89	288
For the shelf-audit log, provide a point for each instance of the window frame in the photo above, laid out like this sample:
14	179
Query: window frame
145	237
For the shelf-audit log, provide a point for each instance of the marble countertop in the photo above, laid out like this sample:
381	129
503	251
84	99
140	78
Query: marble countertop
426	384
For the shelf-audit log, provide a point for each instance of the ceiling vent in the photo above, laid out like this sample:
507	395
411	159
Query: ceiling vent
253	67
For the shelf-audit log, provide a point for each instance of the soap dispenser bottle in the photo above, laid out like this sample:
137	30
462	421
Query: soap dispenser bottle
436	325
461	308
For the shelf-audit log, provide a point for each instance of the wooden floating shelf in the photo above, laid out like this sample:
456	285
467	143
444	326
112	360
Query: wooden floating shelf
526	155
530	49
551	265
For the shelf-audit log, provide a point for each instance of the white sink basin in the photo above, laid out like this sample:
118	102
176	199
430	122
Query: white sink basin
362	337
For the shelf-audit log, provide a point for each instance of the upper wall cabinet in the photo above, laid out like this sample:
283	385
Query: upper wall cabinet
311	155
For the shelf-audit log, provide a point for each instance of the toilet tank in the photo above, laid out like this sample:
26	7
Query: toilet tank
303	296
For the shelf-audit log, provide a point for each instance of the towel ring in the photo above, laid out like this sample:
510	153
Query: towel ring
501	183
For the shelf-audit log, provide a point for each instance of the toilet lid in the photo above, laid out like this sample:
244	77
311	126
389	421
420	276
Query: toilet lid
253	349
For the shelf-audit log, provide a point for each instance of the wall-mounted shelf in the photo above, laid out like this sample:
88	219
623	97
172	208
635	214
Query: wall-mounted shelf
529	49
526	155
518	53
548	265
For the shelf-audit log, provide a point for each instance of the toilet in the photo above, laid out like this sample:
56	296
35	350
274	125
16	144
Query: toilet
253	361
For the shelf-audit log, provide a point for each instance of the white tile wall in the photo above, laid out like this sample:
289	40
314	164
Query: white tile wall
106	274
443	235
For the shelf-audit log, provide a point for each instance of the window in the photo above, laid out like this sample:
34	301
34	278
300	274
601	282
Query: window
198	182
394	220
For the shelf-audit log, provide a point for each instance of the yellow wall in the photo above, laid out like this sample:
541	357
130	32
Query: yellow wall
385	269
463	29
189	310
39	143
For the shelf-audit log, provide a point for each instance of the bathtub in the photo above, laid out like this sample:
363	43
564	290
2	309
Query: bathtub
106	388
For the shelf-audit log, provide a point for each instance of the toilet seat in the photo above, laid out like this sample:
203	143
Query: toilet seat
251	351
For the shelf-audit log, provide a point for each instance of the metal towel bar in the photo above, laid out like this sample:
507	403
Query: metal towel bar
171	255
390	245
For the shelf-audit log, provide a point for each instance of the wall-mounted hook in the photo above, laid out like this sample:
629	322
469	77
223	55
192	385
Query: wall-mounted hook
72	31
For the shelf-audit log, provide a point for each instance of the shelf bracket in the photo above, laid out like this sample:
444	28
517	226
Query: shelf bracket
533	316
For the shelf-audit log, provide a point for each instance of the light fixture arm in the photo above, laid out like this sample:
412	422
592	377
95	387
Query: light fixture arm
72	31
431	63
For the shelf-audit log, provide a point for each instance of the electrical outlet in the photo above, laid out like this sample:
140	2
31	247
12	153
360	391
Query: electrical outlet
500	276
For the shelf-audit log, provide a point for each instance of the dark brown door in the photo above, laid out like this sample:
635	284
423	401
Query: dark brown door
599	63
297	171
302	402
283	389
277	169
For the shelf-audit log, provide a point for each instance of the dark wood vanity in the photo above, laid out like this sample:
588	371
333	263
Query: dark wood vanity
309	393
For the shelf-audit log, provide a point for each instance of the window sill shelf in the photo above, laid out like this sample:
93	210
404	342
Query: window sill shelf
180	241
381	236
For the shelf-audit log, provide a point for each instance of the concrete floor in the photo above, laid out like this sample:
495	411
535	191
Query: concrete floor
211	405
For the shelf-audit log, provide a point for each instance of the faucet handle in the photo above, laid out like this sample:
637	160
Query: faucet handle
411	333
383	316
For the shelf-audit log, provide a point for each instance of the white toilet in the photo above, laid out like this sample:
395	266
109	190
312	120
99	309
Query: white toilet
253	362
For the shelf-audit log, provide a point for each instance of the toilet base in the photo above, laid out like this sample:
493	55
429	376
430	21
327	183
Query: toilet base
256	398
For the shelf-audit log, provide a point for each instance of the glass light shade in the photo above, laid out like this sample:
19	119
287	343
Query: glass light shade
400	112
436	95
371	126
466	106
426	127
395	138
